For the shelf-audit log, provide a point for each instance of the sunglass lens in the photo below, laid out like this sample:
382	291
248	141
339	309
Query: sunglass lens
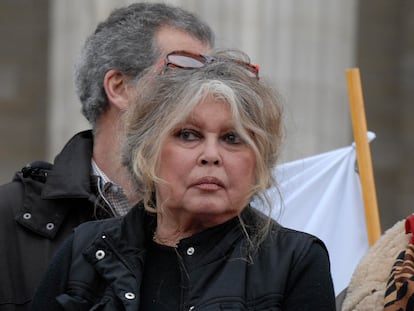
184	61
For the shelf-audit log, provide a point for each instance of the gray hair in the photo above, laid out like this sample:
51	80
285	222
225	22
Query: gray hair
166	100
125	41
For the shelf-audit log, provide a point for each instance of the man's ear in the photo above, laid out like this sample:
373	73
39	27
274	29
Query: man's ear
117	89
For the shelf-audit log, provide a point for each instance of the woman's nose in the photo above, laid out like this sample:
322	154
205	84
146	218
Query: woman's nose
210	154
206	161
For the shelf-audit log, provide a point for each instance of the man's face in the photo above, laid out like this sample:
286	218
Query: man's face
168	39
171	39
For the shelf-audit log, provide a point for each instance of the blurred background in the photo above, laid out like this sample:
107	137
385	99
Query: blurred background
303	46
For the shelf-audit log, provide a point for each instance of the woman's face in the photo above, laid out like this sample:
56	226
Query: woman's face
207	168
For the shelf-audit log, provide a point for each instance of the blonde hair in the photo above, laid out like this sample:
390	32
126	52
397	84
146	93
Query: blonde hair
165	100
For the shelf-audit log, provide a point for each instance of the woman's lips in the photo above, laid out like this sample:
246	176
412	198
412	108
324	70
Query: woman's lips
208	183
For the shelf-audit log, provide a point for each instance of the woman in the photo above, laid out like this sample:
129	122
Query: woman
200	142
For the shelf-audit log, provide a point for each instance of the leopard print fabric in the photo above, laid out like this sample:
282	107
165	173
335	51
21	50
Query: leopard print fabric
399	294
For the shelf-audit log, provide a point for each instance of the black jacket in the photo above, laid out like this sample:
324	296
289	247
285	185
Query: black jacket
100	268
38	210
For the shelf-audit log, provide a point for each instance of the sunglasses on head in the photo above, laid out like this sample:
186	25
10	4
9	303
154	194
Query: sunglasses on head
187	60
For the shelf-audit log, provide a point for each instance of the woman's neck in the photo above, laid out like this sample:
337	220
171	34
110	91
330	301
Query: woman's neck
171	230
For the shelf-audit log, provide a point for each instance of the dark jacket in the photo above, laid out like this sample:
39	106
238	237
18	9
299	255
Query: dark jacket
101	267
38	210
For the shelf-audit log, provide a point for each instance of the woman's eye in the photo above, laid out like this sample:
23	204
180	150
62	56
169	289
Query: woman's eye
232	138
188	135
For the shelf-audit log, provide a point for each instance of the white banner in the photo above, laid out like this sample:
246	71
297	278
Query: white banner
322	195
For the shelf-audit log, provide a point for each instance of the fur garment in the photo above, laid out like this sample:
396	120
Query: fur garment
367	287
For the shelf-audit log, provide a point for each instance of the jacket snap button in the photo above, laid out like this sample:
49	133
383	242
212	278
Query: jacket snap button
190	251
27	216
100	254
129	296
50	226
191	308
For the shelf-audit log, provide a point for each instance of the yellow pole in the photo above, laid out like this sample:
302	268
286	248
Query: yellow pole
359	125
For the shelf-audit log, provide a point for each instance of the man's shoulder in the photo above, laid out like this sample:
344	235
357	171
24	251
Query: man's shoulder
47	200
31	175
23	190
33	179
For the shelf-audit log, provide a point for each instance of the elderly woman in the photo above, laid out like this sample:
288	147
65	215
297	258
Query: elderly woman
200	142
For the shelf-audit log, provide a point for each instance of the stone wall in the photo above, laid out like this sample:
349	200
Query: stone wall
386	58
24	61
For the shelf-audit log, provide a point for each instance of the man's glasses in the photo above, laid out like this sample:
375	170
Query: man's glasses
187	60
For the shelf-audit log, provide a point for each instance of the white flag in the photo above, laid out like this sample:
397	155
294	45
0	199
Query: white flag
322	195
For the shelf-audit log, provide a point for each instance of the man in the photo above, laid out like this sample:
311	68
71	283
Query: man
87	181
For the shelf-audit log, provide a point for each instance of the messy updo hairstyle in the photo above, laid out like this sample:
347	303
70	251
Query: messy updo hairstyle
165	100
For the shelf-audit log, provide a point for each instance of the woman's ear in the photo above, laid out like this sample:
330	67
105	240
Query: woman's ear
117	89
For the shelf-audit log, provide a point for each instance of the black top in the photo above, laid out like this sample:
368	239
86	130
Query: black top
111	266
161	279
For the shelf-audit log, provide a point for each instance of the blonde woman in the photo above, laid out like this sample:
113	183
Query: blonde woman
200	142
